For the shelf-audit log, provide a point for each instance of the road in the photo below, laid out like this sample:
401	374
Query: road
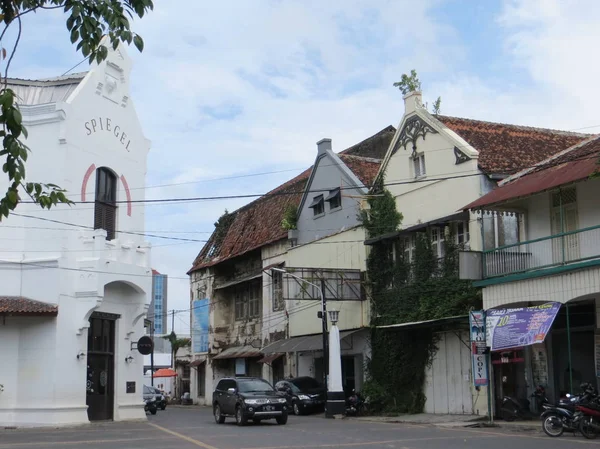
194	427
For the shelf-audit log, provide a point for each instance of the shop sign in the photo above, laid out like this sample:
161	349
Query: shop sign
524	326
478	348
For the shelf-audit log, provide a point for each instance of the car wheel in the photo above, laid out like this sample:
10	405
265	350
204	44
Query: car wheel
153	411
240	418
163	407
281	420
219	418
296	408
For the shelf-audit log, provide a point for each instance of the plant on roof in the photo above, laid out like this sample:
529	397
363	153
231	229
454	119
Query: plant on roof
437	105
88	22
290	217
409	83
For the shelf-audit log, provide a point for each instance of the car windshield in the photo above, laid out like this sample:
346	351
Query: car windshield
305	383
254	385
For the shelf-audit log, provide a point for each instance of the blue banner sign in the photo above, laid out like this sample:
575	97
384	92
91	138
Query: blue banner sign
200	325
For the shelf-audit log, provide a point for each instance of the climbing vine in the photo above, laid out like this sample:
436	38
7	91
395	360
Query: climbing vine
403	290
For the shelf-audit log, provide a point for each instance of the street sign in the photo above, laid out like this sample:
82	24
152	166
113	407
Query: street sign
478	348
145	345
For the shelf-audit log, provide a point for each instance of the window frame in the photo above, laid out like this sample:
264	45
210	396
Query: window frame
278	304
334	198
318	206
105	202
419	167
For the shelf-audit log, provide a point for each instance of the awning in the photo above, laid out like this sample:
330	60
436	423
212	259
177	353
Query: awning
19	305
164	372
428	323
332	194
239	280
268	359
239	352
459	216
316	200
199	361
306	343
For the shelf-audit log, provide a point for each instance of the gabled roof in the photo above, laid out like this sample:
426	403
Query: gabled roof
18	305
259	222
566	167
506	149
46	90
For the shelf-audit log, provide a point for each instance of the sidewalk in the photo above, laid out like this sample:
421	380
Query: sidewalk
453	421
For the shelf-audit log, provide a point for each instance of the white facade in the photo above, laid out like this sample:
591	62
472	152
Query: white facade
76	125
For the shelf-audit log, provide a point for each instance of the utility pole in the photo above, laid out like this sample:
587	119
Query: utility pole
152	353
325	339
173	320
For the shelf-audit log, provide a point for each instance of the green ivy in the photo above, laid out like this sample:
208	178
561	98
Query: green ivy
406	291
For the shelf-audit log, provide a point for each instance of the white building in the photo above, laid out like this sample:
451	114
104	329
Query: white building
76	281
554	257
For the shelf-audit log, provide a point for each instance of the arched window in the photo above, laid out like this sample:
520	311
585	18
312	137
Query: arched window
105	207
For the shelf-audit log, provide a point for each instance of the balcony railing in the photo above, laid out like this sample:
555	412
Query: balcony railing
546	252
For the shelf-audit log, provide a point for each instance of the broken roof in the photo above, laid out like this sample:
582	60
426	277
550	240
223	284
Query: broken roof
505	148
19	305
259	222
566	167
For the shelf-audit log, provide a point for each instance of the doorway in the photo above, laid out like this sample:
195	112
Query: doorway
100	366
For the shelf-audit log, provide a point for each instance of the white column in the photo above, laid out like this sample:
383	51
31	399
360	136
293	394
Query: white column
335	360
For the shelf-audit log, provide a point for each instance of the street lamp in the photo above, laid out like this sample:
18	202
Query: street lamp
323	318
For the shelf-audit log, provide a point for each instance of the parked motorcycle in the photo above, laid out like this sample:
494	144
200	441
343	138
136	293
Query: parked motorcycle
151	406
589	424
513	408
355	404
564	416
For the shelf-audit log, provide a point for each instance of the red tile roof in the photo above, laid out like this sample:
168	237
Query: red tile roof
154	272
507	149
18	305
259	222
566	167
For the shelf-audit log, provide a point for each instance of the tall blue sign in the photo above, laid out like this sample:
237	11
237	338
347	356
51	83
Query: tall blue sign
200	325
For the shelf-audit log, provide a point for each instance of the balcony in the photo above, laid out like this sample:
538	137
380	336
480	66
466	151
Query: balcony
566	250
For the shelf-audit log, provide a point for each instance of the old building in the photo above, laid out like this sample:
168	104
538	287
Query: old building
239	306
554	256
76	282
434	166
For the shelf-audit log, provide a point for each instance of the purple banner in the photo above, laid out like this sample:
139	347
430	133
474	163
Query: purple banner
514	328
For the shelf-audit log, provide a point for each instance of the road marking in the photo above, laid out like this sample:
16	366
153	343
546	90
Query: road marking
363	443
517	435
56	443
183	437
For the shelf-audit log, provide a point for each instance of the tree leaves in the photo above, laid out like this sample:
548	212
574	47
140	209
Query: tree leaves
88	22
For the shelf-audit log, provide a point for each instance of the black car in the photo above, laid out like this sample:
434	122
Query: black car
245	398
303	394
153	392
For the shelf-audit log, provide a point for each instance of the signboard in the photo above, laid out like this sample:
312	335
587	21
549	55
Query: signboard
478	348
145	345
524	326
200	325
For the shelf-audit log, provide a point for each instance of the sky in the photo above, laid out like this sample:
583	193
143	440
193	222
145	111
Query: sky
234	95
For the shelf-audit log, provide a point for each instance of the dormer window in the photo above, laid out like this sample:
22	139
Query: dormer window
318	205
419	165
334	199
105	206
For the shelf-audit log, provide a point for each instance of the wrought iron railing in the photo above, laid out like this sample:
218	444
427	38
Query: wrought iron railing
546	252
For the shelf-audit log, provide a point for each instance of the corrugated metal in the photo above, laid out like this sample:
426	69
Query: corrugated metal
50	90
560	288
306	343
239	352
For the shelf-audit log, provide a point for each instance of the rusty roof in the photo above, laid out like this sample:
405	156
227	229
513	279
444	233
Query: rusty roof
259	222
566	167
18	305
507	149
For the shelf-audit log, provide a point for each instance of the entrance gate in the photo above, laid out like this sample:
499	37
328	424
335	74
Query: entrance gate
100	366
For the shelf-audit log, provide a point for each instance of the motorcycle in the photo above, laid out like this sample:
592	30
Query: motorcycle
355	404
589	425
513	408
151	406
564	416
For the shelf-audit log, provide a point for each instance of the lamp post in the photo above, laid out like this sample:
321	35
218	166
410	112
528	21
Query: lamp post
323	319
336	399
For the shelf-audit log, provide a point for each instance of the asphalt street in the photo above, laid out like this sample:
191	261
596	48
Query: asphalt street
194	427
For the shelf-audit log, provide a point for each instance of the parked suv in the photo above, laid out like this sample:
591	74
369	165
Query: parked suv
303	394
247	398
